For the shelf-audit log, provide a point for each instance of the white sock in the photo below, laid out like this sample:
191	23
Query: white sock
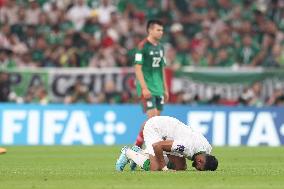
138	158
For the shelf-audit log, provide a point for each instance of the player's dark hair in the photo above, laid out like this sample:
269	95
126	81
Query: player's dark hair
211	163
150	23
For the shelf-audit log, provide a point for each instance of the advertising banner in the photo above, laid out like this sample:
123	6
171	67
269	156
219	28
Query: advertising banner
201	82
227	83
95	79
69	125
234	126
119	124
22	80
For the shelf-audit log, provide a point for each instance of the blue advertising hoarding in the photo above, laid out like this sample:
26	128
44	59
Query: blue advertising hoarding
234	126
119	124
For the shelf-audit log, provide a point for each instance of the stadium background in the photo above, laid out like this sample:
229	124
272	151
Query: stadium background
67	67
225	63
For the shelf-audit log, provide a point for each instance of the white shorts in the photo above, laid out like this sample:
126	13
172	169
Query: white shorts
151	136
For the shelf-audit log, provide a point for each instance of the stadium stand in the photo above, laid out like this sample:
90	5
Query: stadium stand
105	33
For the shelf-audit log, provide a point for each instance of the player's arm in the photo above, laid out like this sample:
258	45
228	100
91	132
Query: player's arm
166	90
159	147
166	95
140	76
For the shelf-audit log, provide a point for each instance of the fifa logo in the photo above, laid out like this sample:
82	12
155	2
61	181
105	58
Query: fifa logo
109	128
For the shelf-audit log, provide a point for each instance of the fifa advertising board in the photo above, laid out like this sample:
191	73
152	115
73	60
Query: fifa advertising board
119	124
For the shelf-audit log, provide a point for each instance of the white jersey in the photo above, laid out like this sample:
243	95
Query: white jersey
187	141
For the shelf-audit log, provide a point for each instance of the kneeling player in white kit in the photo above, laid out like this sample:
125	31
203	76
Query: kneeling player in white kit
164	134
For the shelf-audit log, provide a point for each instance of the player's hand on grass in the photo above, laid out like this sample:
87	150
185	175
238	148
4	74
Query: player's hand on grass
167	169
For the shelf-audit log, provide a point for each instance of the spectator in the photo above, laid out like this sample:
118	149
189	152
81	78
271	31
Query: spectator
224	7
111	95
279	101
247	53
104	12
197	59
119	24
266	50
5	32
79	13
20	27
181	43
42	96
8	13
36	94
79	93
4	87
32	13
38	52
172	60
251	96
6	60
92	28
94	33
277	97
101	59
43	26
53	11
30	37
280	57
64	24
225	55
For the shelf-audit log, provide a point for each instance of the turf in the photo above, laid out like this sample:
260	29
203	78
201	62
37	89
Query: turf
93	167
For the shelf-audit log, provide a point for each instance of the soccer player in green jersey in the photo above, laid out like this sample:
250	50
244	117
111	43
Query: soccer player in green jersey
150	75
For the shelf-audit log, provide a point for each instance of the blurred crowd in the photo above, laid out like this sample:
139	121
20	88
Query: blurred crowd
105	33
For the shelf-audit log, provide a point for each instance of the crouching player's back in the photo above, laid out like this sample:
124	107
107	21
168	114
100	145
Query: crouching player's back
164	134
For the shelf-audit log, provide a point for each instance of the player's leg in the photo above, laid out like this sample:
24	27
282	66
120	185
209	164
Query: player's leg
122	161
132	154
139	158
133	165
154	165
140	138
142	159
151	137
172	162
149	107
159	104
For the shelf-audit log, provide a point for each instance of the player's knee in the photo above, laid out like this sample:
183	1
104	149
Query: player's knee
152	113
154	166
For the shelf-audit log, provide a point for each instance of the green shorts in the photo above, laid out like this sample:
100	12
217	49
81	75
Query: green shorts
153	102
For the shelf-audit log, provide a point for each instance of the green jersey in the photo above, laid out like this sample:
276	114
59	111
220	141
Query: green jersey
152	59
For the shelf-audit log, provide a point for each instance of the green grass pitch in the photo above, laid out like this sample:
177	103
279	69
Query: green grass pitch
93	167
